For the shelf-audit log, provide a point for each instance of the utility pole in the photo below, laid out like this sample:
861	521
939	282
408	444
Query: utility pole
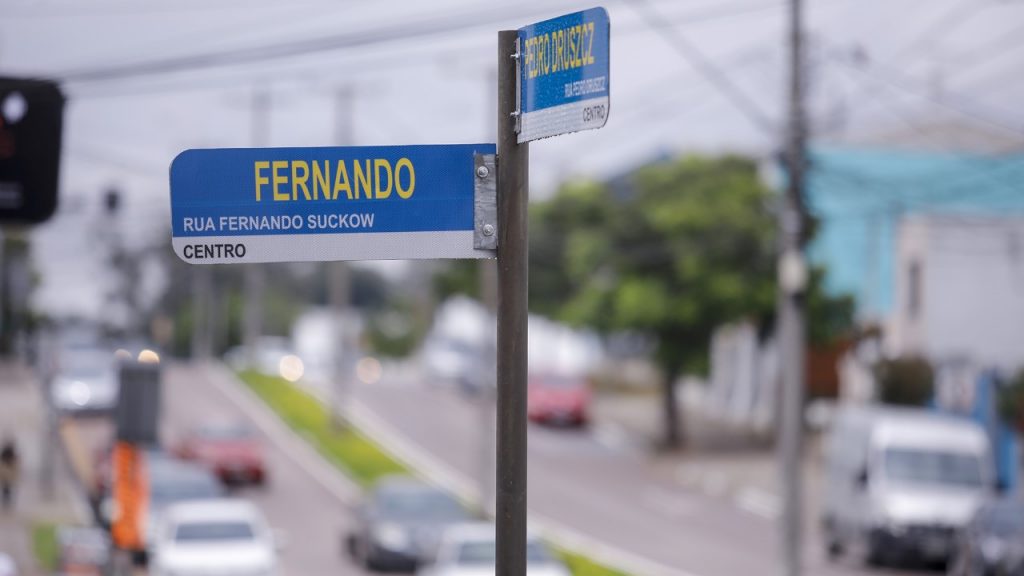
339	275
254	274
791	320
513	266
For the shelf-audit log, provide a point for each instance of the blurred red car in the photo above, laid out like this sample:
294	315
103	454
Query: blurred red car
558	399
233	452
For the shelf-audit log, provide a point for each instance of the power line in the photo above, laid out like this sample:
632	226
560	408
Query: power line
898	82
704	65
410	30
956	16
395	61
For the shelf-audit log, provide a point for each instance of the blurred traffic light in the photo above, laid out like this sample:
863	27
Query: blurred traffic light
31	120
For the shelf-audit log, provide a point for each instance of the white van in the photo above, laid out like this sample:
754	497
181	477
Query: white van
901	482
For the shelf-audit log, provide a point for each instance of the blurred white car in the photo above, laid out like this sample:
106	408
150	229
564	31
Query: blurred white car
470	550
86	383
223	537
267	358
7	567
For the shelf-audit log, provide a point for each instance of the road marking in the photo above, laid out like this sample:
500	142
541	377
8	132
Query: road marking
291	444
672	504
758	502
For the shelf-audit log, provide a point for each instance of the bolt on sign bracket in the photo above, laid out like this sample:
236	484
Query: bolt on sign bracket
485	202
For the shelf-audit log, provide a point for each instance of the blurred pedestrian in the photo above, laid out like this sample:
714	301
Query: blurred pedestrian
8	472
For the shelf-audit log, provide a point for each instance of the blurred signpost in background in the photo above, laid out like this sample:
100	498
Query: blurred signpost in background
259	205
136	419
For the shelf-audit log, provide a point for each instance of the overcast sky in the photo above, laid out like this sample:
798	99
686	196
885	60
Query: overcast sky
872	63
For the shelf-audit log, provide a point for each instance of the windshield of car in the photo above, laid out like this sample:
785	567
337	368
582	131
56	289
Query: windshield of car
1005	519
933	467
419	505
177	487
87	365
224	432
213	531
484	552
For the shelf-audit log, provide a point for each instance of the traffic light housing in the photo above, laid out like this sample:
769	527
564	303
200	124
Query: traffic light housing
31	123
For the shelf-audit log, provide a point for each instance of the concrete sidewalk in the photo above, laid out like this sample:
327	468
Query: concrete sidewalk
23	415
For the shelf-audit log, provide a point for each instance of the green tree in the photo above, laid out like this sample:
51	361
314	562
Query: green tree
672	250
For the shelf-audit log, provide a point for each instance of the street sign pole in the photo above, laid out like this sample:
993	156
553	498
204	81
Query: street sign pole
513	194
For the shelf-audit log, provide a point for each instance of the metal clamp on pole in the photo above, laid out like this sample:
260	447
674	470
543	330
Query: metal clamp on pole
517	114
485	202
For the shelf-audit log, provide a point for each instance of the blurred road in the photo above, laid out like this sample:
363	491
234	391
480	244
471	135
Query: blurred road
599	488
593	488
297	500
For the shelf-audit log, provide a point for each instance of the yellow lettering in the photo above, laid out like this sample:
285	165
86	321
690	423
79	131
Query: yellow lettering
260	180
341	181
406	192
299	181
590	45
279	179
363	178
377	165
320	179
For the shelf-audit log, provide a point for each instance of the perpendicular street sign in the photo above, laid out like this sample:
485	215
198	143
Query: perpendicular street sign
563	75
247	205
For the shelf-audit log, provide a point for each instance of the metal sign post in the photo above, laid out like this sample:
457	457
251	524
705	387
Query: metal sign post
513	194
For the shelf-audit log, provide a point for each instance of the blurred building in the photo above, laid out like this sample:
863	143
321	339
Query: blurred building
959	289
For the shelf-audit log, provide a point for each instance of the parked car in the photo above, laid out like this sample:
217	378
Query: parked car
993	543
86	383
558	399
901	482
470	550
451	362
232	451
400	524
170	481
173	482
213	537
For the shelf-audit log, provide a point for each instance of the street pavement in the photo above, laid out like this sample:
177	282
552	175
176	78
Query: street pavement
45	494
305	500
626	505
599	494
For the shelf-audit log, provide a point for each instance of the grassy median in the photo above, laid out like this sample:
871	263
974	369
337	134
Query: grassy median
354	453
44	545
347	449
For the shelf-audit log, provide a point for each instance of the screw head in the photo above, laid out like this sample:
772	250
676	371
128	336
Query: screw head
488	230
482	171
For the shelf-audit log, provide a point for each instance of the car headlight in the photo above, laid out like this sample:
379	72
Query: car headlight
391	537
79	393
992	549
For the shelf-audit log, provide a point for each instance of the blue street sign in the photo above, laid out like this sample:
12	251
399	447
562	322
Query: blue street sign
240	205
563	75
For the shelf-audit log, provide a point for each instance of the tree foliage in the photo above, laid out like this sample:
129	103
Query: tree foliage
672	251
906	381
